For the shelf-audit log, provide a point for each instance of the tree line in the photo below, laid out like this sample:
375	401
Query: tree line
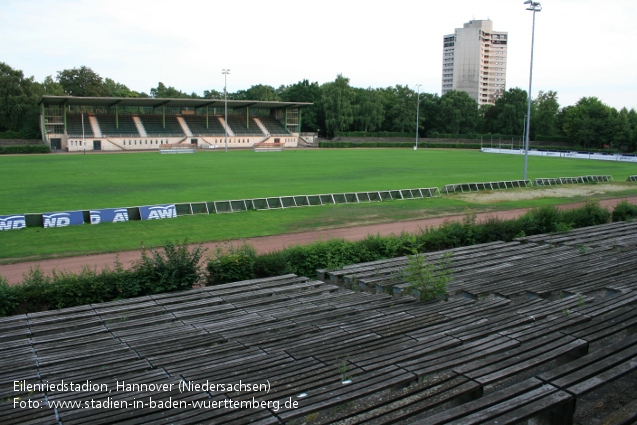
339	108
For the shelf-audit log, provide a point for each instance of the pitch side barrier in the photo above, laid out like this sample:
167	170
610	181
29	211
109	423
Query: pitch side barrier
552	181
280	202
561	154
153	212
175	151
478	186
75	218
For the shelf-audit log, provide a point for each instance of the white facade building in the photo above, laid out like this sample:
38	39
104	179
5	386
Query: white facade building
474	61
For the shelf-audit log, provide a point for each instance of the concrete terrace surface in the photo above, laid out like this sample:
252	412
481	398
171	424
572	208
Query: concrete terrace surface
530	328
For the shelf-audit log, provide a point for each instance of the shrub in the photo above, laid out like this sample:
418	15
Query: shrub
427	278
174	268
231	264
624	211
22	149
8	298
271	264
543	220
591	214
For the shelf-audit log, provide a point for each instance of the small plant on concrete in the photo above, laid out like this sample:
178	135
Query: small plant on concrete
583	249
353	284
581	301
428	278
563	227
343	368
311	417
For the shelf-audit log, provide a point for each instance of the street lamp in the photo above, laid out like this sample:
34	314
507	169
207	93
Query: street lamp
534	7
225	72
417	114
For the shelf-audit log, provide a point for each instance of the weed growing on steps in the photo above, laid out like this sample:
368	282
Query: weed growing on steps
343	368
429	279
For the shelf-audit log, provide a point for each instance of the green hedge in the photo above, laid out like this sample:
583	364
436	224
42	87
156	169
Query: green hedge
11	135
23	149
408	145
472	136
496	137
624	211
374	134
174	268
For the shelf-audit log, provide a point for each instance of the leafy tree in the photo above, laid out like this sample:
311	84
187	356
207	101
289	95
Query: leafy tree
401	108
507	115
18	102
587	123
484	111
51	87
371	112
430	115
262	92
118	89
82	81
545	121
238	95
163	92
312	117
337	99
632	121
14	97
459	113
623	129
212	94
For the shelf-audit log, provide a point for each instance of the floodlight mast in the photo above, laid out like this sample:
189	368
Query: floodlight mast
534	7
417	113
225	72
83	138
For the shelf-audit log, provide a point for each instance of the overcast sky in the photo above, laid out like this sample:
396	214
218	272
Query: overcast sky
582	47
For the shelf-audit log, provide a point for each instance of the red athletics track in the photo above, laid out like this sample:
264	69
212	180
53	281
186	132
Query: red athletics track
13	273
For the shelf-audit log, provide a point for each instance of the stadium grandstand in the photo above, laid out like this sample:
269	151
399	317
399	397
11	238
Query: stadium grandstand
76	124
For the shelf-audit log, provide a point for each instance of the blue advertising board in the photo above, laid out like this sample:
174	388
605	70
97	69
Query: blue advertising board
62	219
155	212
11	222
109	215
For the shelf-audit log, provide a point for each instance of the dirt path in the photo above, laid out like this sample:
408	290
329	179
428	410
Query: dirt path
13	273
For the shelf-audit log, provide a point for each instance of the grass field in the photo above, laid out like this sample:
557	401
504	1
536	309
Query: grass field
46	183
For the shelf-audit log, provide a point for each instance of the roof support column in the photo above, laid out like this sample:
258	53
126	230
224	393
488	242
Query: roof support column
207	117
42	122
116	117
163	115
248	117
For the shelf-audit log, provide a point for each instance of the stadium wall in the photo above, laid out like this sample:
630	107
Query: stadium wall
122	144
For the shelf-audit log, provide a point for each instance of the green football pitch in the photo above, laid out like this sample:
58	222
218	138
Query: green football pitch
48	183
63	182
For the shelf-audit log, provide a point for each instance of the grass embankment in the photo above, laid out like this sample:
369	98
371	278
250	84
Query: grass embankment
70	182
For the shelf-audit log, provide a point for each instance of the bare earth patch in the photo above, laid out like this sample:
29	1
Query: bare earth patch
566	191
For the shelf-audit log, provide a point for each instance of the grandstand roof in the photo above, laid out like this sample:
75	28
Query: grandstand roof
157	102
